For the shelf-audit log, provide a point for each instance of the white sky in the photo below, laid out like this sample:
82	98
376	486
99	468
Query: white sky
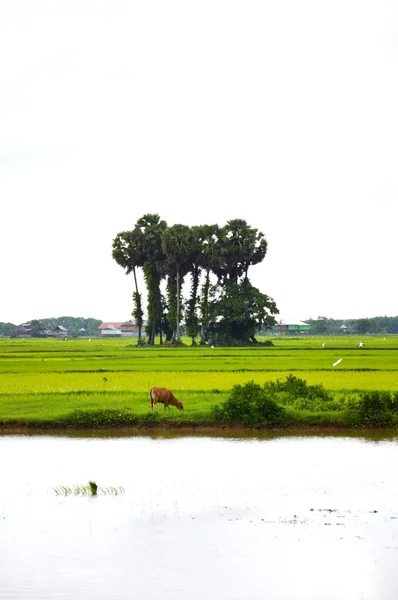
284	113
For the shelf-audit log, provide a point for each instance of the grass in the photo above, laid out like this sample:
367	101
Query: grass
92	489
76	382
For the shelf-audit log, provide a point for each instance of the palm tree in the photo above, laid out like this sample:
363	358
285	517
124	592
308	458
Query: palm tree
177	244
238	245
209	241
256	251
243	246
151	228
195	260
127	252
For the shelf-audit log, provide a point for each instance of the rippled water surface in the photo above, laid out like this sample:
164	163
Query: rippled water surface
291	517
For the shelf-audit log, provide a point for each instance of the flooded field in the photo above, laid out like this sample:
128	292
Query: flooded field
229	518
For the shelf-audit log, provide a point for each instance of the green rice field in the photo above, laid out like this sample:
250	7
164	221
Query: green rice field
46	380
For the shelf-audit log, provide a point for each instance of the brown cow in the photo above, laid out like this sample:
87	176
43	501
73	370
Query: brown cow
164	396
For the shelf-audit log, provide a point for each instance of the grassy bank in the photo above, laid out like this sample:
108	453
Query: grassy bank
103	383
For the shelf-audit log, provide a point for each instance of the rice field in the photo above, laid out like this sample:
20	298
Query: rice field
47	379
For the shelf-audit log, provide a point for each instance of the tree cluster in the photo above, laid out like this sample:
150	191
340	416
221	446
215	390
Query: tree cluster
74	324
222	305
374	325
39	328
8	329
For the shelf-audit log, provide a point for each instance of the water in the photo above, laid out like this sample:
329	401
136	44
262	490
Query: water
282	517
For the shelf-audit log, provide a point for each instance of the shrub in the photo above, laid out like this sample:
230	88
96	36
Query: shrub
374	409
296	387
103	417
295	392
249	404
394	402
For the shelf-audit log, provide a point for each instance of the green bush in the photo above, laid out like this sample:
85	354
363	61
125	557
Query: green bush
394	402
374	409
297	388
249	404
295	392
102	417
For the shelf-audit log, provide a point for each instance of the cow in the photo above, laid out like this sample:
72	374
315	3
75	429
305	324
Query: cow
165	397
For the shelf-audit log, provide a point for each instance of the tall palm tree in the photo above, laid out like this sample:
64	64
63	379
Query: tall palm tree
177	244
256	251
128	253
238	243
152	227
191	318
210	245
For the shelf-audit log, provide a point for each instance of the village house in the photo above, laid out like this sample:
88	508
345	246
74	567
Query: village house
129	329
60	331
27	330
110	329
118	329
292	328
24	331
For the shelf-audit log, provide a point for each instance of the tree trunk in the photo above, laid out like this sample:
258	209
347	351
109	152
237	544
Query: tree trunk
191	318
205	308
202	335
136	289
152	280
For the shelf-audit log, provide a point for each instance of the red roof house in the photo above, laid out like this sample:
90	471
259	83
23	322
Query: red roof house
110	328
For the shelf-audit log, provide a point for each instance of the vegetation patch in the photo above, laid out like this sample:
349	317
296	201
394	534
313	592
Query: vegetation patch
250	404
45	384
377	408
100	418
91	489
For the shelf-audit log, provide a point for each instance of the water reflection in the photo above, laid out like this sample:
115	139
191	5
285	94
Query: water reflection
368	434
265	516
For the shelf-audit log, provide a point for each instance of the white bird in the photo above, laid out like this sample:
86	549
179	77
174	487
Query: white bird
89	340
212	346
323	344
337	362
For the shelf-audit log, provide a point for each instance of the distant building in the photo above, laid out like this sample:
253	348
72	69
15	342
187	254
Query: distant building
292	328
118	329
34	329
60	331
110	329
82	332
45	332
129	329
24	331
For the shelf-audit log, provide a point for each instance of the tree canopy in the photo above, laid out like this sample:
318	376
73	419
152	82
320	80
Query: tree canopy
223	304
373	325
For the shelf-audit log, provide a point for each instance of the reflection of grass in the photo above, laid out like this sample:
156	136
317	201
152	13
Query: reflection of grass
92	489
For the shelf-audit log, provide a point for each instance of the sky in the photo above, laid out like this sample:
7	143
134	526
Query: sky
281	113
